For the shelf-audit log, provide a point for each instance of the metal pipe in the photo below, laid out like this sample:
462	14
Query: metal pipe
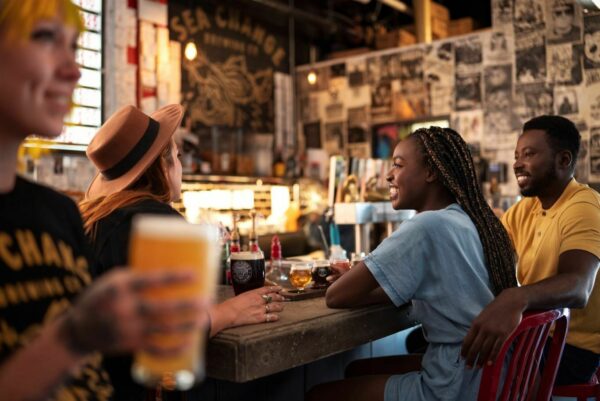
423	20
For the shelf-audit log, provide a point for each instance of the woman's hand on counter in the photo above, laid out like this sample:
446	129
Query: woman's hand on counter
336	272
261	305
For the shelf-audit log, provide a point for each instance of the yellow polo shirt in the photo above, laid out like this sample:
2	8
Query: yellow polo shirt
540	236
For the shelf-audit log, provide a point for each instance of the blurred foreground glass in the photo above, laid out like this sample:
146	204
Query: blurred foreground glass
166	242
247	271
301	274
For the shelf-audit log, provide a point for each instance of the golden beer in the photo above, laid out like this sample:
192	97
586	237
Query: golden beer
301	274
170	243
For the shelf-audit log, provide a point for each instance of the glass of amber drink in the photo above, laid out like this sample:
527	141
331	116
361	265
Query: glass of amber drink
170	243
301	274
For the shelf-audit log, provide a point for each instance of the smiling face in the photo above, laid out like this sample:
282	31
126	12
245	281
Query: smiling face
39	74
408	177
535	163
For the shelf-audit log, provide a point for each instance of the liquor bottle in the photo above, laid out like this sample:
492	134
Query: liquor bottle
253	238
276	273
225	266
278	165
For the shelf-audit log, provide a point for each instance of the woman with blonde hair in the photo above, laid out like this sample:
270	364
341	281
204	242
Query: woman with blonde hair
52	326
139	172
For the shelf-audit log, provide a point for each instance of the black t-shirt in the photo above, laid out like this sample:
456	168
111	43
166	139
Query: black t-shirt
43	266
110	246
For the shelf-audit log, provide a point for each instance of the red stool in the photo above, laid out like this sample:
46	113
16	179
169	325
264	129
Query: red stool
526	345
581	391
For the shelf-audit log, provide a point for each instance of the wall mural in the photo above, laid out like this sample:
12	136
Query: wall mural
230	83
540	57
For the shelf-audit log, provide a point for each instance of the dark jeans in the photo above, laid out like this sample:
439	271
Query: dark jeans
577	366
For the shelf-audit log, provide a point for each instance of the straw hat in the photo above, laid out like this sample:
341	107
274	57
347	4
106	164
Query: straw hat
127	144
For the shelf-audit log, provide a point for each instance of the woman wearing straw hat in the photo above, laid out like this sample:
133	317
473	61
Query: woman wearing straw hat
51	325
139	172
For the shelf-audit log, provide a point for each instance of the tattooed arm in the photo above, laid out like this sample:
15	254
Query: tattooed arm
109	316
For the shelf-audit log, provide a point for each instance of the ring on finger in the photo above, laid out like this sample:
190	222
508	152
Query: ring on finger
267	309
267	317
267	298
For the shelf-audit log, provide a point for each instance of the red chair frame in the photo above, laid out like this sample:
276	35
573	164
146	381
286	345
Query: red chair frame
526	345
581	391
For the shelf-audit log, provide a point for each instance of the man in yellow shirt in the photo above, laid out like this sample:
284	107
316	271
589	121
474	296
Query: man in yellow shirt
555	231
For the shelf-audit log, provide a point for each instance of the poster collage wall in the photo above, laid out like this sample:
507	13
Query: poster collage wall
539	57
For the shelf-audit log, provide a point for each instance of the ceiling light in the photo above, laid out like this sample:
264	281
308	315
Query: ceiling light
190	52
312	78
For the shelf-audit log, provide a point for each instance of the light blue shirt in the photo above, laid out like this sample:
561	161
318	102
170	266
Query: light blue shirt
436	260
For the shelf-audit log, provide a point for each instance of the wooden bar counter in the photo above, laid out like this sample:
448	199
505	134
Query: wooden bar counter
307	331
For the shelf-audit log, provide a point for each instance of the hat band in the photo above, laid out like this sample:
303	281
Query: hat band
135	154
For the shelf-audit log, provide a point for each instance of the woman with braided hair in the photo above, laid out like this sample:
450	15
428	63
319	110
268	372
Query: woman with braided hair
450	260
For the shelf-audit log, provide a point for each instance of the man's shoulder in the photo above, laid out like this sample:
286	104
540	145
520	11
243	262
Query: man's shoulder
44	195
584	194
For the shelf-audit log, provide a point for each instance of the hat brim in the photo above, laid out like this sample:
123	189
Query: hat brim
169	118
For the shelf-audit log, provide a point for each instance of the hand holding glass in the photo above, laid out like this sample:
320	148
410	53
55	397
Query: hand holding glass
166	242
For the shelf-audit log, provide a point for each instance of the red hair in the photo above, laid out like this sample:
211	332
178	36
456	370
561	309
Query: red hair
152	184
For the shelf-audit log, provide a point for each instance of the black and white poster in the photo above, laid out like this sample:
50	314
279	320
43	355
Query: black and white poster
439	64
467	92
497	81
564	64
528	16
337	70
498	122
309	108
390	67
439	77
469	124
530	58
468	55
564	21
381	101
411	76
357	71
334	138
566	101
498	46
334	111
497	77
591	48
358	125
594	149
373	70
533	100
502	12
582	168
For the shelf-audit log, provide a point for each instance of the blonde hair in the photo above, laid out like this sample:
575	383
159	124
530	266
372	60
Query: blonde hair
17	17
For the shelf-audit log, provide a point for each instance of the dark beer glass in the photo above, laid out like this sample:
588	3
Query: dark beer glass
247	271
320	271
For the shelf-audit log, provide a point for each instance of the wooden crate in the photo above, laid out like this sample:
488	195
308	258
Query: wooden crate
461	26
438	11
396	38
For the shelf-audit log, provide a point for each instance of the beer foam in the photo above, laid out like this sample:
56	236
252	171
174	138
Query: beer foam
247	256
165	227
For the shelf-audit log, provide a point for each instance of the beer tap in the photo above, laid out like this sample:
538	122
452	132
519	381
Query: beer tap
235	236
253	238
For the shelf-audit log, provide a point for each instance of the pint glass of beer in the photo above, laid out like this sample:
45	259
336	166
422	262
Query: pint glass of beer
170	243
247	271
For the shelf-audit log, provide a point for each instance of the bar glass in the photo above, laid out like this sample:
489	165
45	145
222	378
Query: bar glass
170	243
